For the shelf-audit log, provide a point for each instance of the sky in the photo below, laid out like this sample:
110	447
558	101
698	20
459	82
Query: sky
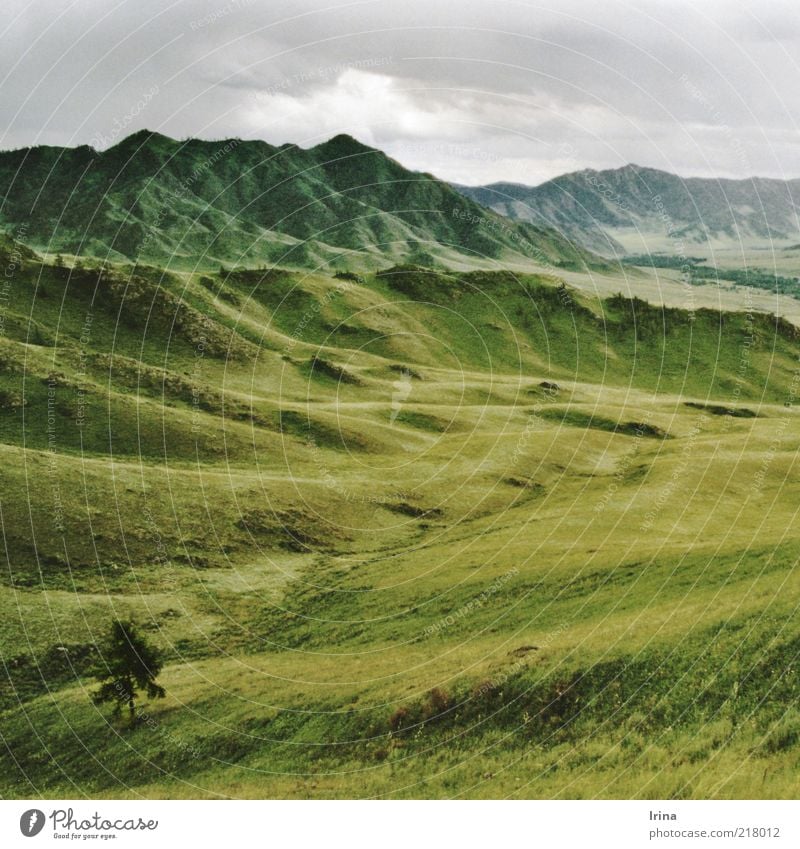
475	91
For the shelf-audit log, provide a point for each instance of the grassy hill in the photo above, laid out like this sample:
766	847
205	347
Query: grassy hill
407	533
195	204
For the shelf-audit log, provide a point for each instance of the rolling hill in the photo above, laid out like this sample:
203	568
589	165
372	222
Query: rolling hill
413	533
637	210
199	203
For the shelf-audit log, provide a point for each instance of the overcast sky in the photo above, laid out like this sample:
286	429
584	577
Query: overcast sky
473	91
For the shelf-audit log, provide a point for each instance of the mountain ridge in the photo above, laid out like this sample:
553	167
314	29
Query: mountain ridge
340	202
635	209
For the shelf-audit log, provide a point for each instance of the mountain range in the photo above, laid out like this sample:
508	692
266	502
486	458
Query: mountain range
343	204
637	210
200	203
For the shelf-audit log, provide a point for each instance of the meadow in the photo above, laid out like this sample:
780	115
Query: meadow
397	533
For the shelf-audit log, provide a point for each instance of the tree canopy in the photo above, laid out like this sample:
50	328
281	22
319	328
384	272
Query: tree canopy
130	665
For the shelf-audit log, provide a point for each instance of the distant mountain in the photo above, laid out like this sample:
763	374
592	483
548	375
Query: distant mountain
635	209
246	202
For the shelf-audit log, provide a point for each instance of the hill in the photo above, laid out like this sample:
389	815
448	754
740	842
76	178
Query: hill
407	533
638	210
198	203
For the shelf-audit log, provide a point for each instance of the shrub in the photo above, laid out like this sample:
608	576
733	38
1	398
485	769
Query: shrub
399	719
349	275
436	704
784	735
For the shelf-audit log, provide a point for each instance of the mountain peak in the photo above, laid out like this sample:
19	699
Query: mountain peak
635	170
142	138
343	145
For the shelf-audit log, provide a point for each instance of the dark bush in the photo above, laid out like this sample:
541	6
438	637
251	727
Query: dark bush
399	719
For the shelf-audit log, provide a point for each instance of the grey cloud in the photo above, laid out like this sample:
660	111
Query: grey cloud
473	91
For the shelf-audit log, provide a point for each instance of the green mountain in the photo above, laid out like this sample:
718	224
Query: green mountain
198	203
635	209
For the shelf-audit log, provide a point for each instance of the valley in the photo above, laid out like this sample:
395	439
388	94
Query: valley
398	533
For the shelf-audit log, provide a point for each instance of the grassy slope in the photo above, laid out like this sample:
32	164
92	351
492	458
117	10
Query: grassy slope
500	588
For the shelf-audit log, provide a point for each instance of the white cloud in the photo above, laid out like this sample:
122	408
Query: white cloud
367	105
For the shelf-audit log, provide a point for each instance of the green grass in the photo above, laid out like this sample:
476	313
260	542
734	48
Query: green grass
382	553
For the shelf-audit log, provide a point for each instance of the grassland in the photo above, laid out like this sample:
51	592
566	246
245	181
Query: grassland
405	534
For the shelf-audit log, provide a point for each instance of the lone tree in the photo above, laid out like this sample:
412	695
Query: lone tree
131	665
